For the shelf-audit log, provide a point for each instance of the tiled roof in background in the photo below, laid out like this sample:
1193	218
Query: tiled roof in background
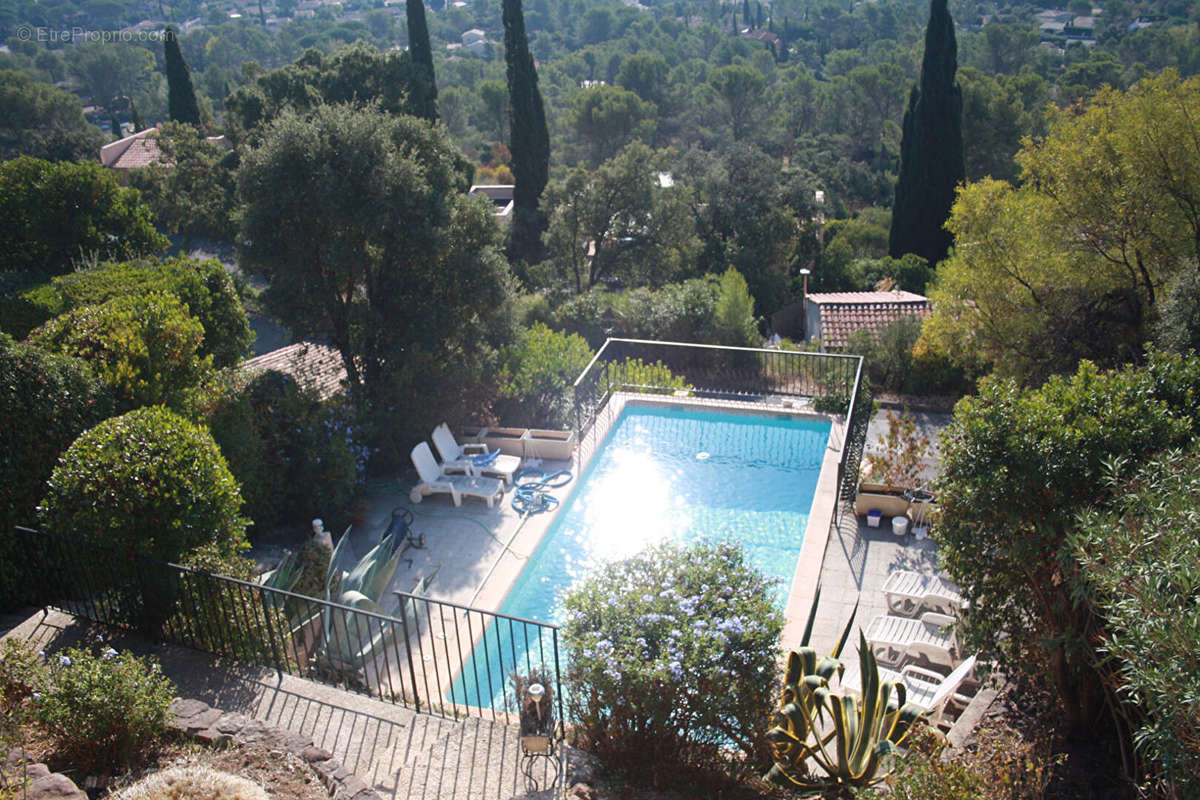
140	153
843	313
898	296
318	365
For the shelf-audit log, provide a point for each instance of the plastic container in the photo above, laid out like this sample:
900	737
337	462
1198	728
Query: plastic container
899	525
873	517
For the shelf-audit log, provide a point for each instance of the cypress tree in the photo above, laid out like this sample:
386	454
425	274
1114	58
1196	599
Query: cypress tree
422	90
530	145
181	97
746	13
931	150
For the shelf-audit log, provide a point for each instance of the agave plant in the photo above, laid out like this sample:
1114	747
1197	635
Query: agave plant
349	642
826	740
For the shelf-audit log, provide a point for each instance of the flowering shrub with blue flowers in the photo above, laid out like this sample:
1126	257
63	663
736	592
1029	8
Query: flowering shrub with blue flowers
101	705
674	662
295	456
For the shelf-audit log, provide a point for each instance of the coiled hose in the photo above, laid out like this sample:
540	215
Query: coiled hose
531	495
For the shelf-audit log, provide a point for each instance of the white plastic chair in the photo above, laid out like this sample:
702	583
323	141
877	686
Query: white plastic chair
458	458
893	639
908	593
434	481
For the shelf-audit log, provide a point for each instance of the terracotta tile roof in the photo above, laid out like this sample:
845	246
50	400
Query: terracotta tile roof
309	363
140	153
843	313
898	296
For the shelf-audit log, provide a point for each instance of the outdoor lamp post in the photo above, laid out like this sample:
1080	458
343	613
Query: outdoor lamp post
536	731
804	302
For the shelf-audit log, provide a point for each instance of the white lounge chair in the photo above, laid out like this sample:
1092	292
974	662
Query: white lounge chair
930	690
473	458
933	692
911	592
893	639
434	481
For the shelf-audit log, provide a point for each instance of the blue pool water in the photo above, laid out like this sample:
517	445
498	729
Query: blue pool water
668	474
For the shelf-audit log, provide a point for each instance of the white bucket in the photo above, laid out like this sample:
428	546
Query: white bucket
899	525
873	517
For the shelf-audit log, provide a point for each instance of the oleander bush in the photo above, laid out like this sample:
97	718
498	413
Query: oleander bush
103	706
536	377
674	657
145	347
148	481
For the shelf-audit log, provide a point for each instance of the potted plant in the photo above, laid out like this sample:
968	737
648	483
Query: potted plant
549	444
891	474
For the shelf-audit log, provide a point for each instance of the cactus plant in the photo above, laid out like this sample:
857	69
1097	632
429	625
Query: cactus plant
826	740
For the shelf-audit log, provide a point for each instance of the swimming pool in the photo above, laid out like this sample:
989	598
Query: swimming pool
673	473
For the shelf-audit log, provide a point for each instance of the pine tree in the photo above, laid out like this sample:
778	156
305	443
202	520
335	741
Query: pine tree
136	118
422	89
530	145
931	150
181	97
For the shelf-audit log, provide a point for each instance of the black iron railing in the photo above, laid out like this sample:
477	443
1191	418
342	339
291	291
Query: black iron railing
831	381
431	656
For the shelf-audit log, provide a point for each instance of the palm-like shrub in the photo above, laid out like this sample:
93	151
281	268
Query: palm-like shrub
825	739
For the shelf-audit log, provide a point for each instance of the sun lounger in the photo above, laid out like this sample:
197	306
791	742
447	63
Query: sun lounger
930	690
893	639
908	593
434	481
473	458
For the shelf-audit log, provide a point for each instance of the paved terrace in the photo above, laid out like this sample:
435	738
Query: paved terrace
401	754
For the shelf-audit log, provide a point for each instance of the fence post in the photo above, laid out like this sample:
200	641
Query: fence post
412	670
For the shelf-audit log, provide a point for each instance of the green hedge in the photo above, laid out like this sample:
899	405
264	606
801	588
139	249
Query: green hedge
143	346
46	400
204	288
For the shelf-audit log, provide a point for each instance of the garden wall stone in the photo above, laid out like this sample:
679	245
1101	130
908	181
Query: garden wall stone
43	784
214	726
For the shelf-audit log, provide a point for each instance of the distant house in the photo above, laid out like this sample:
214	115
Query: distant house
138	150
766	37
141	150
475	40
832	317
317	365
501	196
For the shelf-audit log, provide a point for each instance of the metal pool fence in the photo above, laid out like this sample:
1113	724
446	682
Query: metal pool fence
411	658
831	381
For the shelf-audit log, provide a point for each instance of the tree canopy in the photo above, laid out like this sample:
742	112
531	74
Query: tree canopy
42	121
362	224
55	215
1071	263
